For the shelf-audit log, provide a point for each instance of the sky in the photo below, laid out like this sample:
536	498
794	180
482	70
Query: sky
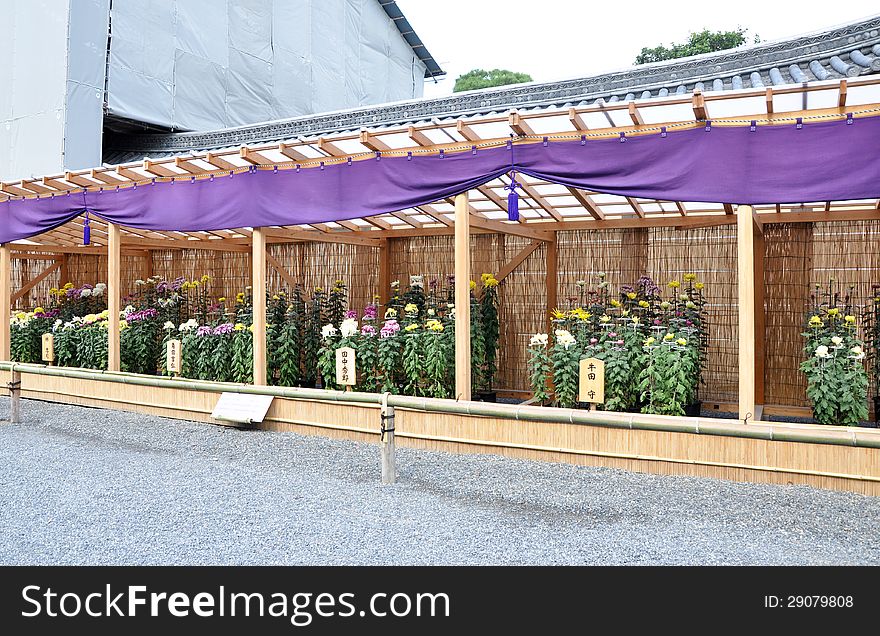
560	39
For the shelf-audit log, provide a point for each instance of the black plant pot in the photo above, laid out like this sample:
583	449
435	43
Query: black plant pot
486	396
693	410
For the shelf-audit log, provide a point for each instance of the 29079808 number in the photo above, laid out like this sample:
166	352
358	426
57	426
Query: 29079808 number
808	601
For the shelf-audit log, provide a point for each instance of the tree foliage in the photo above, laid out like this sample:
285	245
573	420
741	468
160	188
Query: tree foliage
478	78
704	41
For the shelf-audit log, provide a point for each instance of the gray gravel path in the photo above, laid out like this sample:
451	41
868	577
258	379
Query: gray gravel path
85	486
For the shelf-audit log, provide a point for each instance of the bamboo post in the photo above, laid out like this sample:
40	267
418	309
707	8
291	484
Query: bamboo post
389	454
114	295
745	240
385	272
5	301
462	298
258	268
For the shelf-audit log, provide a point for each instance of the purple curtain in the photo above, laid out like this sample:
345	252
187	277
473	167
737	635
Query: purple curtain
826	161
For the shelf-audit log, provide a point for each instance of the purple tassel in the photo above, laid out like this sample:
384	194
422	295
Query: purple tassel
512	198
87	231
513	205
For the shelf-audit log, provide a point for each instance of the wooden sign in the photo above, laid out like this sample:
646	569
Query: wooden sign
242	408
346	373
48	347
172	356
592	381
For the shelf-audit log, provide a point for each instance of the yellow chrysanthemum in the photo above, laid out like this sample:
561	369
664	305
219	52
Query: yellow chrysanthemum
411	327
668	337
222	299
833	311
690	277
850	319
434	325
491	282
615	302
39	310
205	279
473	285
239	327
644	303
411	308
699	285
681	342
559	314
674	284
276	297
631	295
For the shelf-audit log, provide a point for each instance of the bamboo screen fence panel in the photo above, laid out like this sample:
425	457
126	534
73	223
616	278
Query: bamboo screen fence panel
797	256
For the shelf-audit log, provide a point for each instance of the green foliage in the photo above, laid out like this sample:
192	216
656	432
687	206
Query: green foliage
413	366
704	41
243	357
479	78
540	369
566	361
667	379
837	383
140	346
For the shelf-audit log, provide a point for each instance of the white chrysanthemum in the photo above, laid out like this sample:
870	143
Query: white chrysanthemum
85	293
348	328
822	352
836	341
857	352
328	331
168	326
538	339
189	325
564	338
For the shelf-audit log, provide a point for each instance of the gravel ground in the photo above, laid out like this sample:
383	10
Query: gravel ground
85	486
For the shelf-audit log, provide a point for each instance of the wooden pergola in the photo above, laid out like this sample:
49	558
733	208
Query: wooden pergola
545	208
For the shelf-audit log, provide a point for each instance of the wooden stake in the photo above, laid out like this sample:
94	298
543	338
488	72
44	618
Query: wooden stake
745	240
15	398
114	294
551	279
462	298
759	318
386	440
5	300
258	266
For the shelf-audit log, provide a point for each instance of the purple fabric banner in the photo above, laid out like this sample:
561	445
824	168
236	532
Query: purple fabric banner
826	161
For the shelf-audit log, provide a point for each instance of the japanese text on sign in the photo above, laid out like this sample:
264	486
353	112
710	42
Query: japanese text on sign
346	373
48	347
592	381
172	356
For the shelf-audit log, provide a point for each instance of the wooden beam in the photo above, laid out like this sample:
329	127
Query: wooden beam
258	266
25	290
462	298
114	295
336	236
768	98
518	260
35	188
57	185
635	115
291	152
373	142
219	162
698	103
636	206
681	209
16	191
330	148
158	169
253	157
745	240
841	94
466	131
104	177
587	201
419	137
280	269
385	272
5	301
577	121
188	166
519	125
535	196
131	175
516	229
728	208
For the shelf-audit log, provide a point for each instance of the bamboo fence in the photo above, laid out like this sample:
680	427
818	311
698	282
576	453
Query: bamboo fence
797	256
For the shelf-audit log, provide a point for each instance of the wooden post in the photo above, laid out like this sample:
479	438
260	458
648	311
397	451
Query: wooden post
462	298
552	279
759	320
389	454
745	240
15	398
384	272
114	295
5	301
258	267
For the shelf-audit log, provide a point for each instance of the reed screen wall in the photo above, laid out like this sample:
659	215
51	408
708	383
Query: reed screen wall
797	256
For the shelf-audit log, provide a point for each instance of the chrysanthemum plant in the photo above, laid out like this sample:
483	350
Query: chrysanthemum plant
837	382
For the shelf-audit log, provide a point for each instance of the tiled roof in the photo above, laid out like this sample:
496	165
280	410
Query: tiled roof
846	51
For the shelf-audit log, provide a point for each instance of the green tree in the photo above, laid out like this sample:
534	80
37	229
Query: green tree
478	78
705	41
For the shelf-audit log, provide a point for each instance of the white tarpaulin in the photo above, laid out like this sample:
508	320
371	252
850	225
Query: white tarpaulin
202	64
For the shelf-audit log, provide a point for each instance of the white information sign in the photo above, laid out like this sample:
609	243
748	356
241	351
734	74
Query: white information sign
242	408
346	372
172	356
